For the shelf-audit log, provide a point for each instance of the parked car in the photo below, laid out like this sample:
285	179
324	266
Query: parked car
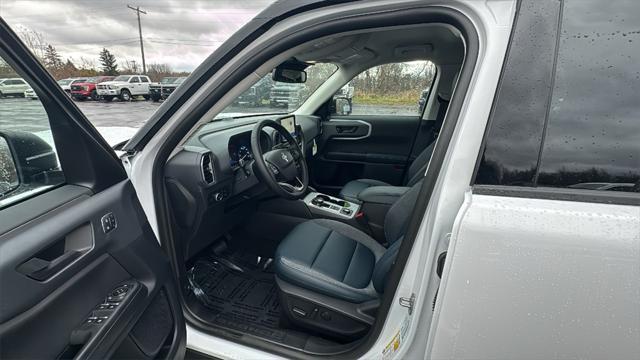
628	187
83	90
13	87
65	84
257	94
227	231
285	94
30	94
166	86
124	87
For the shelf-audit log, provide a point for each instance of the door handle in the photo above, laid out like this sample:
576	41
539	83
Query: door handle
341	129
40	269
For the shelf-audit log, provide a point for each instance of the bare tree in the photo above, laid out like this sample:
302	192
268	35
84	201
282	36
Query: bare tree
87	64
33	40
130	67
6	71
158	71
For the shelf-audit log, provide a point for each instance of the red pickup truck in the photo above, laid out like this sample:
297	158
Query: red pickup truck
87	90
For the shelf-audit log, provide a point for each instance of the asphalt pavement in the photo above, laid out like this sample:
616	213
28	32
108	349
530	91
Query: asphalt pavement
29	115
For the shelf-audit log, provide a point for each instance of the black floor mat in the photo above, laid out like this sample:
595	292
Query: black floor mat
241	292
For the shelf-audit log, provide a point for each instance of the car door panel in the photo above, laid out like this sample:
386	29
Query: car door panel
363	146
565	273
55	310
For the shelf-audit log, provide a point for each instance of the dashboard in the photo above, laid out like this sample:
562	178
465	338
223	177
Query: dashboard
211	182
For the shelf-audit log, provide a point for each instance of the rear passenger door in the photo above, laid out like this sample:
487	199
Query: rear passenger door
144	85
372	130
134	85
544	259
81	272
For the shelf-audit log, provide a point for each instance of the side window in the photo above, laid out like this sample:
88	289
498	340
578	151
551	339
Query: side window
389	89
574	125
134	79
28	158
512	143
593	131
144	79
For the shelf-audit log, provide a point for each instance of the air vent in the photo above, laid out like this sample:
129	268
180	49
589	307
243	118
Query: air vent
207	168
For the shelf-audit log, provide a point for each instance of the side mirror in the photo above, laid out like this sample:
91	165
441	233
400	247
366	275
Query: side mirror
340	106
286	75
8	172
26	160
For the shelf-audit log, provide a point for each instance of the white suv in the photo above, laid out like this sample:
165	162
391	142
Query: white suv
13	87
124	87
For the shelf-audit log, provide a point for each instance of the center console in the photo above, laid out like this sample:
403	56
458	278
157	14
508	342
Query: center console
322	204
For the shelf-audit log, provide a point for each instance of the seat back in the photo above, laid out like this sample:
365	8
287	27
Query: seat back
419	165
395	227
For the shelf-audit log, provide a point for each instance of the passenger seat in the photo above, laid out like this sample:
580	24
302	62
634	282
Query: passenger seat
352	189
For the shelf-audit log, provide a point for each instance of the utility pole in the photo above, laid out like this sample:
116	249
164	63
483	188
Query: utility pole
138	11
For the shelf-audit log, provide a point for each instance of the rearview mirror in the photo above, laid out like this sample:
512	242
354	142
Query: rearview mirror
289	75
8	171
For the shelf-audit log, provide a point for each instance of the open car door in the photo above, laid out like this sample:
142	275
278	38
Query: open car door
81	273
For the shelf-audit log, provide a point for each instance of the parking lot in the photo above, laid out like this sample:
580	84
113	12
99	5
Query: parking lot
28	115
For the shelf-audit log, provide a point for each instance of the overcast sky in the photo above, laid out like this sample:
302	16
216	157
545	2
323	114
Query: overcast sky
181	33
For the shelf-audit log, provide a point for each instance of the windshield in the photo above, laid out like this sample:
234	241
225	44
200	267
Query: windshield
268	96
122	78
180	80
65	81
168	80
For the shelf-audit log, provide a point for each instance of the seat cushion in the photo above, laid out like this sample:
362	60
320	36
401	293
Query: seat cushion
351	189
331	258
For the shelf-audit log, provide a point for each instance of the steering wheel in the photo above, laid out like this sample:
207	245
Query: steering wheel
283	168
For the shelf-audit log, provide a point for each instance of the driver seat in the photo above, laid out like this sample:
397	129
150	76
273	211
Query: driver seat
331	275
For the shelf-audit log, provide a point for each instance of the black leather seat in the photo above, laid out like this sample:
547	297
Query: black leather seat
352	189
418	167
337	260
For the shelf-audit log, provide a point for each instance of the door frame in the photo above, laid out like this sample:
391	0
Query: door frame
358	17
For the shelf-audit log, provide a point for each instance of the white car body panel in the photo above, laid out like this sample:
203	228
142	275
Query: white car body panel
540	279
8	88
139	88
493	19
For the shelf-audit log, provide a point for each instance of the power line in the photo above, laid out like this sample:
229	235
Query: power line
177	43
138	11
99	42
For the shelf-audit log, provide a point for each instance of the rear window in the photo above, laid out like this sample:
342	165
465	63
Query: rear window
593	131
585	133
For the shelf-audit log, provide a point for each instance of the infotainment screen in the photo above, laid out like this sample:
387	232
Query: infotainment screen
289	123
